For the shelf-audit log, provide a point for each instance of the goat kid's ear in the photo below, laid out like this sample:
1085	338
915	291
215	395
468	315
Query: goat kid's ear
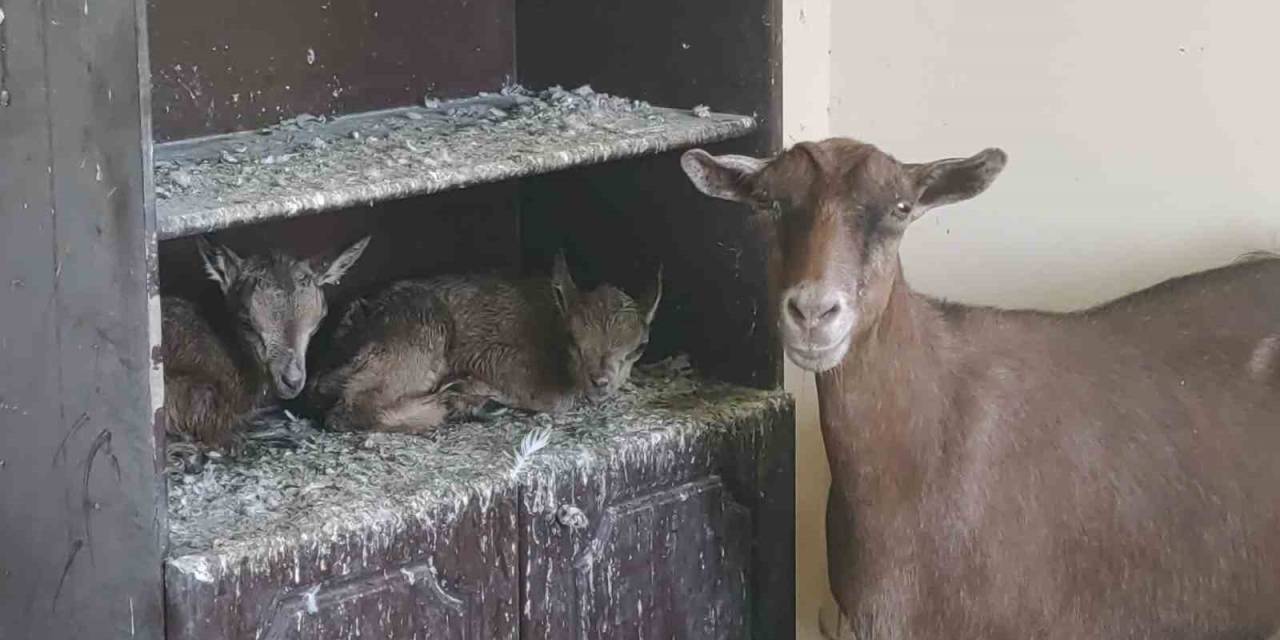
339	266
566	292
221	264
650	301
726	177
955	179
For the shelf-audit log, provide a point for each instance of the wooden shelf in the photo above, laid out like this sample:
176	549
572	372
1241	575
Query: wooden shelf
340	485
310	165
429	528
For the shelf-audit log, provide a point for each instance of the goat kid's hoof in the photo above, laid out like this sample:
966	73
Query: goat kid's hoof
279	429
492	409
184	458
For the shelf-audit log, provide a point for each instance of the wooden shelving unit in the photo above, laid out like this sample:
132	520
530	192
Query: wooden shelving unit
346	499
128	127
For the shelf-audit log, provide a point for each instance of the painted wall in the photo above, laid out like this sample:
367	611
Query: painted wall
1142	136
806	75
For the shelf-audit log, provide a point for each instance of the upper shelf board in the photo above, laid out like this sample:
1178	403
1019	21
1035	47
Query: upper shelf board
309	165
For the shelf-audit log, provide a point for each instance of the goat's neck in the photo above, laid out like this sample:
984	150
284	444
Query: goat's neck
882	407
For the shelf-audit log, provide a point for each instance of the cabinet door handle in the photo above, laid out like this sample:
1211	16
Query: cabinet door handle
572	517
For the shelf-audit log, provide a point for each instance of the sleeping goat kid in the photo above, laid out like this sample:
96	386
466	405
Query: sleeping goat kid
407	358
273	305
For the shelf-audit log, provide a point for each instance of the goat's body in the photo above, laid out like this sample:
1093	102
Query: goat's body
206	392
1113	473
481	337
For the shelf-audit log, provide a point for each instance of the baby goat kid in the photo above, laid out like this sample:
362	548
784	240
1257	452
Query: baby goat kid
273	305
407	358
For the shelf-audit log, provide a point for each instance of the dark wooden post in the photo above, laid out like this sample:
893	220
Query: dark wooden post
82	518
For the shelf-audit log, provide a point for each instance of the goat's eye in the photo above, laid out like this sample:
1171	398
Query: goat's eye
902	208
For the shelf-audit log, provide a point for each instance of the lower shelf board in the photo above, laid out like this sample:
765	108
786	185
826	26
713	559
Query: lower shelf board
397	532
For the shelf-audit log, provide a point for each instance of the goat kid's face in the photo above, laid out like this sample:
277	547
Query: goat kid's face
277	302
609	331
835	212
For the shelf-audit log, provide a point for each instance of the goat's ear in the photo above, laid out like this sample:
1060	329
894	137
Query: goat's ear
649	301
725	177
221	264
339	266
562	286
955	179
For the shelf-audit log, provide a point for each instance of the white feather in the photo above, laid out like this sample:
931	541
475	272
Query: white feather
533	442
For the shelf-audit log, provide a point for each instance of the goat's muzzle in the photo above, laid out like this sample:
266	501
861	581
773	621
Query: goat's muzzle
289	379
816	321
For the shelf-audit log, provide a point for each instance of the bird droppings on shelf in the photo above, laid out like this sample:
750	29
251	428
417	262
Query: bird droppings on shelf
338	486
308	163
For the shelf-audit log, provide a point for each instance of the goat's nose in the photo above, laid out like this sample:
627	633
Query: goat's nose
600	382
293	377
810	307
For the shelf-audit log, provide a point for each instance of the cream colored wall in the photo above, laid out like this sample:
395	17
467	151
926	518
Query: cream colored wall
1142	136
806	92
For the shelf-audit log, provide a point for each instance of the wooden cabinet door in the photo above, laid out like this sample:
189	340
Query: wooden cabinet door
448	576
660	538
670	563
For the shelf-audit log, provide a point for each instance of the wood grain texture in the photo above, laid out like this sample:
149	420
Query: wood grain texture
367	159
449	575
725	54
81	511
241	64
677	540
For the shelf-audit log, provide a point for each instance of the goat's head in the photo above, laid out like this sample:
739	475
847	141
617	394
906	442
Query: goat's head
835	211
277	302
608	328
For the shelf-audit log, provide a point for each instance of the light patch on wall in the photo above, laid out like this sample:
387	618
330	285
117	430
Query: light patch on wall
1138	149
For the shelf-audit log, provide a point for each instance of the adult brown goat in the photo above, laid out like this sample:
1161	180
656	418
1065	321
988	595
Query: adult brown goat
1113	473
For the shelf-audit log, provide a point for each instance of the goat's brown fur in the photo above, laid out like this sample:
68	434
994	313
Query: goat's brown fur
205	390
255	350
1113	473
420	351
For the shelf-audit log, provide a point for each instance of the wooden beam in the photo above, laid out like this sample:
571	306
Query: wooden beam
82	519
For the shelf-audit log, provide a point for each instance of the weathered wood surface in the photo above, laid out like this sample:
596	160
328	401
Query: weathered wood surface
447	572
308	167
318	537
724	54
241	64
666	537
81	516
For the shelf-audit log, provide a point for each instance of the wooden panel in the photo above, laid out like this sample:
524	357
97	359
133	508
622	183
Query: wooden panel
773	568
618	221
667	565
378	604
240	64
80	494
253	537
678	541
721	53
451	577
